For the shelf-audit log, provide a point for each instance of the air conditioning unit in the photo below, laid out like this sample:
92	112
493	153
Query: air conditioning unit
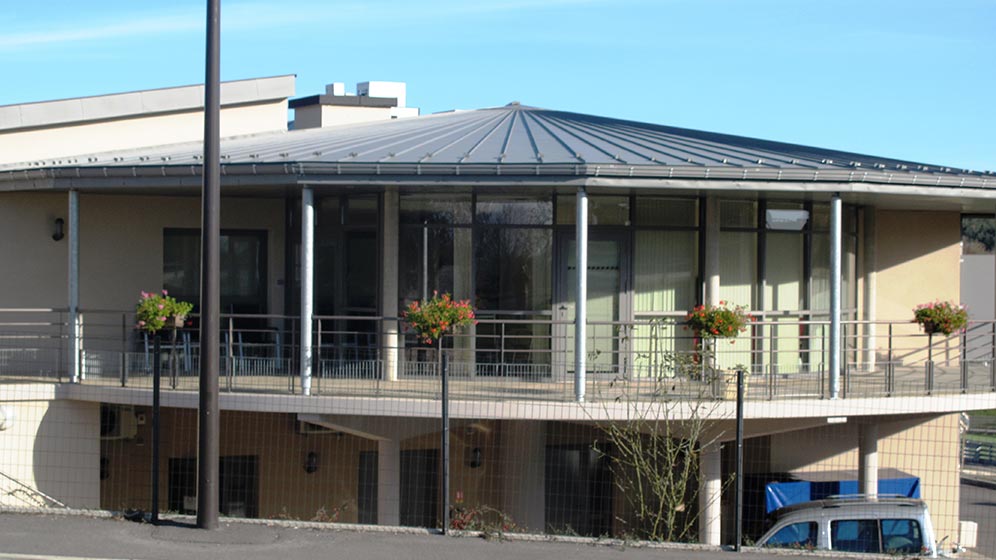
306	428
118	422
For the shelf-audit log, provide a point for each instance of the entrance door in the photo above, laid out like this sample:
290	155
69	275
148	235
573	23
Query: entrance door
608	299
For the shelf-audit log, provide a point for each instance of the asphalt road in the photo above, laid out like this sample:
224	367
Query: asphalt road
47	537
978	503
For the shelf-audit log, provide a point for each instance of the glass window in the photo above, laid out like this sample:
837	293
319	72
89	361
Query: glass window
602	210
361	211
855	535
978	235
737	213
435	208
797	535
514	210
901	536
666	269
513	269
676	212
243	268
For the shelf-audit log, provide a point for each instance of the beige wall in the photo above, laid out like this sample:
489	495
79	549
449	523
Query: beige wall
121	246
918	256
186	126
926	447
50	446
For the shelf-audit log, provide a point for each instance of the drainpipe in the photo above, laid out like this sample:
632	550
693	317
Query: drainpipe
835	289
581	295
307	284
74	323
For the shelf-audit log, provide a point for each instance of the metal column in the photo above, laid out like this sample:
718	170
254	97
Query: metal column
209	425
73	320
581	295
307	284
835	292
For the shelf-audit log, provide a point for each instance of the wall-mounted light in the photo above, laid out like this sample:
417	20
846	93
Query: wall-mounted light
311	462
476	458
58	231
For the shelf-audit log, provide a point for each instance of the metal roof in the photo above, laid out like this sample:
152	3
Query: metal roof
512	140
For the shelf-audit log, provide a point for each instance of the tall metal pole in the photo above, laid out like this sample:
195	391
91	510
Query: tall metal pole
739	506
581	295
208	415
307	285
156	384
75	336
445	443
835	293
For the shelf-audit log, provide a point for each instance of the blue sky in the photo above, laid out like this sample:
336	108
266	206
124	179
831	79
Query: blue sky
906	79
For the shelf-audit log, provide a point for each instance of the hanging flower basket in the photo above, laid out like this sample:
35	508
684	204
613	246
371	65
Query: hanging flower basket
156	311
718	321
941	317
433	318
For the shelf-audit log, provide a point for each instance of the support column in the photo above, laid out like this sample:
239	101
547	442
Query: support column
871	286
710	495
868	459
836	208
389	482
73	320
307	284
389	283
711	271
581	294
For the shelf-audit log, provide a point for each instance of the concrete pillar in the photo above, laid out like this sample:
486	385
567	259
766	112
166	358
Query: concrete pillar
711	271
391	340
581	305
868	459
836	233
465	344
307	284
74	320
710	495
524	496
871	286
389	482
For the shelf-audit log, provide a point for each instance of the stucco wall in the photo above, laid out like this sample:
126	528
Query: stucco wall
51	447
121	246
918	257
925	447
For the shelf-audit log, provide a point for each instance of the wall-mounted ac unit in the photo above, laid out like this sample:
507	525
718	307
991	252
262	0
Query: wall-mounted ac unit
118	421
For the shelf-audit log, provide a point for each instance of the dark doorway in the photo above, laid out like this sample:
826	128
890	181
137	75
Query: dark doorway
578	491
366	493
420	488
239	478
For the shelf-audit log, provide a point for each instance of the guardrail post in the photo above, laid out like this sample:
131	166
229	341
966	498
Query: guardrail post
231	353
318	358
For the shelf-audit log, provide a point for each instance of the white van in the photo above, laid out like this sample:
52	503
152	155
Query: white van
884	525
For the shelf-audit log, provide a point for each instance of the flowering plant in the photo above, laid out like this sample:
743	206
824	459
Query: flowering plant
154	310
942	317
718	321
432	318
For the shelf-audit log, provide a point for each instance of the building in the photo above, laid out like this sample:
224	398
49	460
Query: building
99	200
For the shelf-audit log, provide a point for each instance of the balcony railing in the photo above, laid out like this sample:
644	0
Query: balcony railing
515	356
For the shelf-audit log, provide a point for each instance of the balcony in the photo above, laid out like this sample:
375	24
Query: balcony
506	358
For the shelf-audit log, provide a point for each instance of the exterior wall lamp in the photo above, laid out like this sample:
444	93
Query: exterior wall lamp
59	231
311	462
786	220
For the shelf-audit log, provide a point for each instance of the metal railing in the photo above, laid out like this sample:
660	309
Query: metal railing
513	356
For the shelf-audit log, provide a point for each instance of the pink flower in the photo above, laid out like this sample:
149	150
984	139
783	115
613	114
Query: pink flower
141	323
161	306
162	319
165	293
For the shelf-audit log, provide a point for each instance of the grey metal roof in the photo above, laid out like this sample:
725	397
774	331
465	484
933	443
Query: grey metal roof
515	140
